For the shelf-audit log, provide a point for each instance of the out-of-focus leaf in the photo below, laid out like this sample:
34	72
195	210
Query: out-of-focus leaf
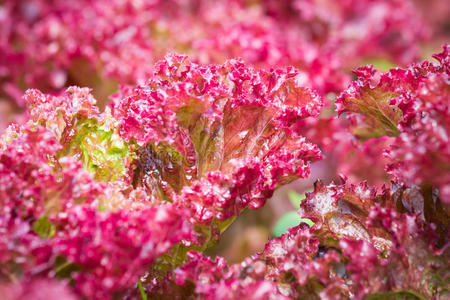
398	295
296	198
44	228
381	64
141	290
288	220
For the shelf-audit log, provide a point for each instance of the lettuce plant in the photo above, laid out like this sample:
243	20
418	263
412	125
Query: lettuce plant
123	198
103	201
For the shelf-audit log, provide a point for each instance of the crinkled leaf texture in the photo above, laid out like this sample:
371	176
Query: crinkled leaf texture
68	209
103	198
217	138
99	199
393	241
57	220
290	267
82	130
412	105
365	244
